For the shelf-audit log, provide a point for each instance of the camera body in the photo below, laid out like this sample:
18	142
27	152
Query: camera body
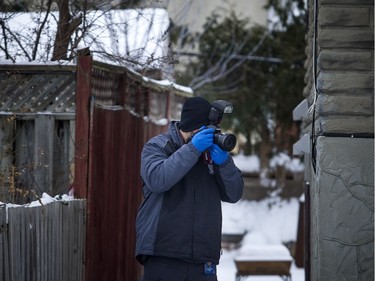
225	141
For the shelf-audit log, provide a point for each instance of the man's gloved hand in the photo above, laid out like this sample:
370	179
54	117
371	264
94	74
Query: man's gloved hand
217	154
203	139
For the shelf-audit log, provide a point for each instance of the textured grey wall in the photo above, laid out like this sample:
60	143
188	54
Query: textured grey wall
343	197
340	163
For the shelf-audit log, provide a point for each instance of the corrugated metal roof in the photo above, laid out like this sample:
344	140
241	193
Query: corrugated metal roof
37	88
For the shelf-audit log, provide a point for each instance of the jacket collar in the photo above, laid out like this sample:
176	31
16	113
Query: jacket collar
174	134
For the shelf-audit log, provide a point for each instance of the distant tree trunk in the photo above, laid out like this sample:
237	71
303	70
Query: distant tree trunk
265	147
248	149
286	136
66	27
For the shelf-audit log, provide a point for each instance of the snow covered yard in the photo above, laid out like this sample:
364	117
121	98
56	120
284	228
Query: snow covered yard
268	222
271	221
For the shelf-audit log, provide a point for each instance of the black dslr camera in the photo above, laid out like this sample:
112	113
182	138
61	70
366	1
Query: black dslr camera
226	141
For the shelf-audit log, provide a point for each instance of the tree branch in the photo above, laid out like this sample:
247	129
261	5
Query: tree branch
38	34
220	69
66	27
5	48
16	37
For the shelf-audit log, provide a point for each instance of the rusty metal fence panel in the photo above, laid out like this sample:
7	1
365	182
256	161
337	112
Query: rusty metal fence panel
117	134
114	194
123	111
43	243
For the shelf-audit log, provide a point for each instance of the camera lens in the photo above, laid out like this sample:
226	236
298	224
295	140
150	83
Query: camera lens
226	141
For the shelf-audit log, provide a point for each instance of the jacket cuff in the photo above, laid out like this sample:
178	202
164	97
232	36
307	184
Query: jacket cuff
194	149
226	162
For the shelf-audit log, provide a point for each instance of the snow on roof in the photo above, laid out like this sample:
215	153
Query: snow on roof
138	34
114	36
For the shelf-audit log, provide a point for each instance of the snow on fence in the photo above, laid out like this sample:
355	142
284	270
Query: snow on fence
44	242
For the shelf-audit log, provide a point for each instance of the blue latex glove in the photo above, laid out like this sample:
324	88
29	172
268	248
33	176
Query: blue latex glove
217	154
203	139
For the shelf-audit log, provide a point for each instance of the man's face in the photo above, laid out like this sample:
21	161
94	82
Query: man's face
189	135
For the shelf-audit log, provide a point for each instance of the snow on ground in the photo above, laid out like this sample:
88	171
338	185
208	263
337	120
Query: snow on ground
44	200
248	164
270	222
251	163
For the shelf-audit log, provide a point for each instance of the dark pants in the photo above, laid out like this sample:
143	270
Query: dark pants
167	269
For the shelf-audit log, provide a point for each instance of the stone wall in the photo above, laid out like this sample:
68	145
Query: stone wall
339	157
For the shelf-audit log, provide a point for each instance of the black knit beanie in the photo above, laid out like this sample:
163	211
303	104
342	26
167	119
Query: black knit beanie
194	114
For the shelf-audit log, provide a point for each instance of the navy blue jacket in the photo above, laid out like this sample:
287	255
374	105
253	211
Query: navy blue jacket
180	216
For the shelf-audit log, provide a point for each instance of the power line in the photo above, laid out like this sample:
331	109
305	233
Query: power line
234	57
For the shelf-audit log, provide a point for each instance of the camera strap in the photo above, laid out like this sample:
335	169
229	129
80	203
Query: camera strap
208	161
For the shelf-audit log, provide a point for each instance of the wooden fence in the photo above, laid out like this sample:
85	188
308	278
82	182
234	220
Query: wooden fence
81	127
37	125
43	243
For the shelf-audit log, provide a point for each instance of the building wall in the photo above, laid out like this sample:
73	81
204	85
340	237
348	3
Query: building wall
191	12
195	12
340	157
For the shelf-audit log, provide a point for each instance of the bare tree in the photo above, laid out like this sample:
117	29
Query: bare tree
55	29
66	26
142	40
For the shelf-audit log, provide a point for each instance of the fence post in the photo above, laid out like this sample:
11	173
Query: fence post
83	92
4	260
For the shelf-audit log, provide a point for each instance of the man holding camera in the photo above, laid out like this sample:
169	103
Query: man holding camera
186	173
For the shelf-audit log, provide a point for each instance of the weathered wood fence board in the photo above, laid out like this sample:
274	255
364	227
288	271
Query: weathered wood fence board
37	155
43	243
37	125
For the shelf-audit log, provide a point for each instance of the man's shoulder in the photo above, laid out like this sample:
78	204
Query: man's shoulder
159	139
157	142
163	142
